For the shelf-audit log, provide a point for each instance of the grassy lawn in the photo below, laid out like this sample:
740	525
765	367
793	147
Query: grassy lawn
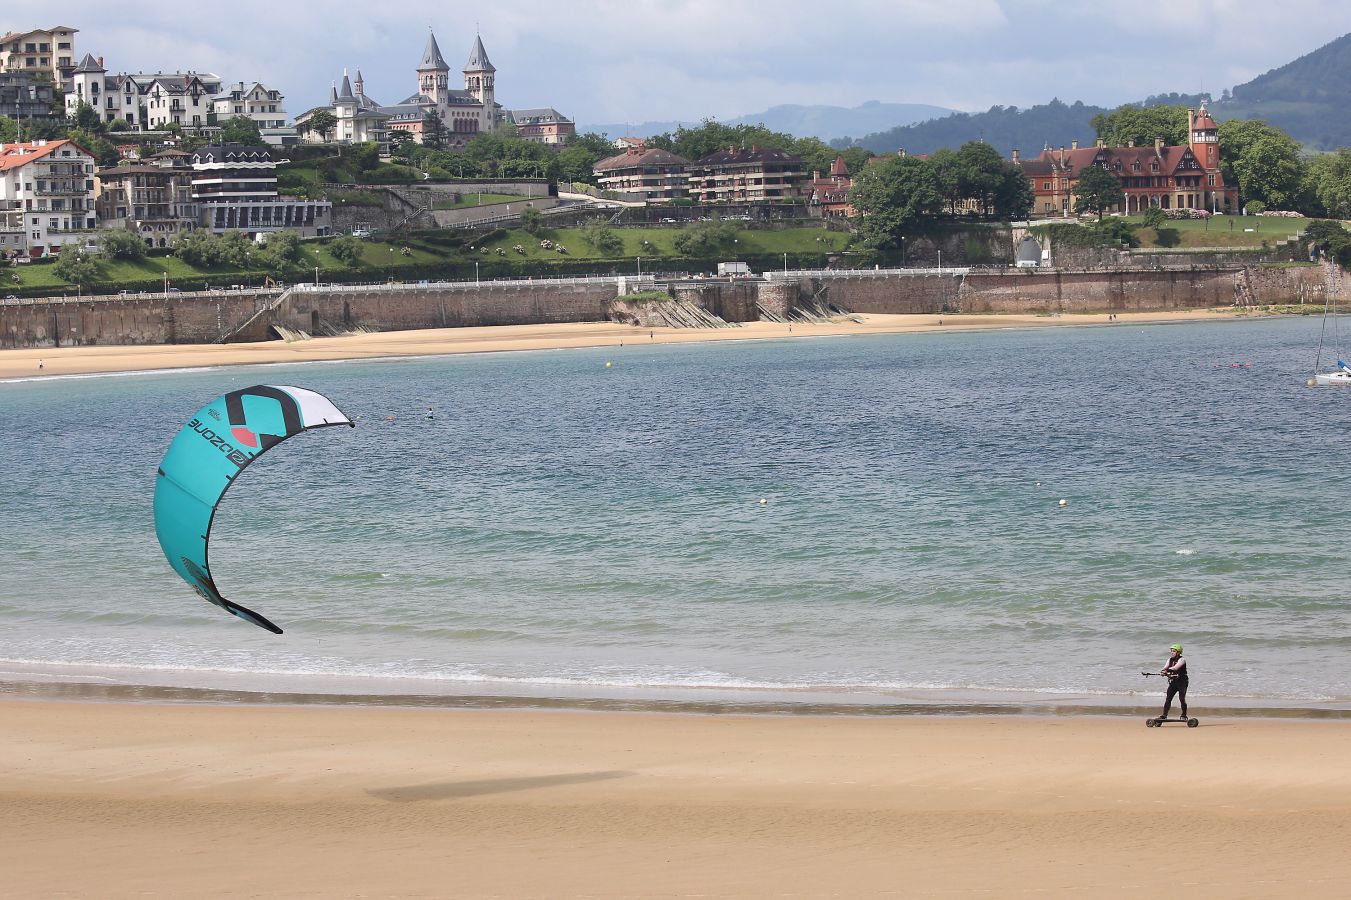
1227	231
476	199
658	242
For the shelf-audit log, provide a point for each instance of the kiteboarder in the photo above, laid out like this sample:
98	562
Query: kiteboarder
1175	670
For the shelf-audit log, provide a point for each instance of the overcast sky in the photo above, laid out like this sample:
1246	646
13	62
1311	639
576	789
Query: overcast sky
637	60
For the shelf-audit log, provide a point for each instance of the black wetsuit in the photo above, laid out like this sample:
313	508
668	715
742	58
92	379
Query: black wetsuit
1177	686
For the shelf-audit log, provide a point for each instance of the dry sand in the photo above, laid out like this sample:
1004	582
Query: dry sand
431	342
118	800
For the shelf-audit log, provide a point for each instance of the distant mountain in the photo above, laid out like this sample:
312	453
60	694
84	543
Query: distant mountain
1306	97
824	122
1006	128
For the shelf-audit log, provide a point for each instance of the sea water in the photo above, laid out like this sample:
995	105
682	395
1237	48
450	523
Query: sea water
857	519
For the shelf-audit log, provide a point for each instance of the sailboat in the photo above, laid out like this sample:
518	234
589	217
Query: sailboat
1342	374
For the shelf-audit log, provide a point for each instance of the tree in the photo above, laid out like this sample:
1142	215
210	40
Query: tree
1328	180
197	249
603	239
1330	237
1142	126
282	249
241	130
77	266
1014	198
118	243
433	131
1154	217
532	220
86	118
323	122
1271	170
346	250
1238	138
1097	191
893	197
707	239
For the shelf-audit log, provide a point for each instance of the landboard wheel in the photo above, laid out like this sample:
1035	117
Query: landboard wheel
1192	723
1150	723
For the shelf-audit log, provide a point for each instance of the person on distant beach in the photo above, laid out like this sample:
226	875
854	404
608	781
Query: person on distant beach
39	365
1175	670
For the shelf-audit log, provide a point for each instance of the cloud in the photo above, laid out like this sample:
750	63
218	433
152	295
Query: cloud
634	60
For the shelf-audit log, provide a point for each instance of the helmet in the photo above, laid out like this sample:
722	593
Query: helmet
1176	647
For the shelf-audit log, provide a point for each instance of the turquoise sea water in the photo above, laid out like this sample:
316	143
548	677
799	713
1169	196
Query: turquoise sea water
559	528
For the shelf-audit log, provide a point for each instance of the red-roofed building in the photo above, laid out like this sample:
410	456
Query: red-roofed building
1159	176
756	175
830	195
46	197
642	174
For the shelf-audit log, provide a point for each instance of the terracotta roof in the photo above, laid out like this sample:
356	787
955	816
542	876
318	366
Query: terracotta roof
640	156
15	155
839	167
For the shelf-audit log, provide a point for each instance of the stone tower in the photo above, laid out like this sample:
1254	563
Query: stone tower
433	74
479	78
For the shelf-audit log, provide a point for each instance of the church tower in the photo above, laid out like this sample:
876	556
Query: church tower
479	78
433	74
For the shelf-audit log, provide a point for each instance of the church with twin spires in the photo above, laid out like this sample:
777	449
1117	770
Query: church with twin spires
465	112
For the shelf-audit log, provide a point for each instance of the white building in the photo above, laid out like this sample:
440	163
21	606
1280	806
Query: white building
144	100
50	50
265	106
46	197
359	118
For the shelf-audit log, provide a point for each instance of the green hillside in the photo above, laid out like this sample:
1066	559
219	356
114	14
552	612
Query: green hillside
1306	97
1006	128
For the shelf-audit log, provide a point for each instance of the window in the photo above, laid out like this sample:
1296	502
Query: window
1046	185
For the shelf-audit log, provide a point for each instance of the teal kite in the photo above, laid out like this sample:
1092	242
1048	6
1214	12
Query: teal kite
205	458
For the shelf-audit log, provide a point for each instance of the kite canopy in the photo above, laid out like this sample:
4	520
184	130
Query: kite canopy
205	458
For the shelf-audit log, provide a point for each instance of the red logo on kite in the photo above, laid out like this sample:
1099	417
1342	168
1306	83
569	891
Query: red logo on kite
244	436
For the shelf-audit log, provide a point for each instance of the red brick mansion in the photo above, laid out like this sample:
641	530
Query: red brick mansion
1165	177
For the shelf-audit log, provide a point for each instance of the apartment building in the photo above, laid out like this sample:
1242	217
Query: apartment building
236	188
24	97
46	197
48	50
756	175
543	126
152	198
643	174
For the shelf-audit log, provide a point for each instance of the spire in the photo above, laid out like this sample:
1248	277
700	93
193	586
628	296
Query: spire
89	64
333	94
359	85
432	60
478	58
346	87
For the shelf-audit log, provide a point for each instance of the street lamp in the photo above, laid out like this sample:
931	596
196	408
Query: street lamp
785	262
902	251
316	276
640	267
166	285
476	281
940	262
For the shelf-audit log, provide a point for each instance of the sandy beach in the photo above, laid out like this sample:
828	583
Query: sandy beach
124	799
434	342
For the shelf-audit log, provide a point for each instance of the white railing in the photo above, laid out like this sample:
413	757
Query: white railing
484	283
780	275
139	295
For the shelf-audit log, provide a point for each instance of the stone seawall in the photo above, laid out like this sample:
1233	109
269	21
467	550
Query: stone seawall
231	315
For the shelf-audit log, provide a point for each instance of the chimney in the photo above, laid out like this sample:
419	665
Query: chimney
1130	143
1158	146
1074	145
1191	125
100	62
1015	154
1101	143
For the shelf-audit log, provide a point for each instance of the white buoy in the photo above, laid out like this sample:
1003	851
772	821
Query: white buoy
1064	502
763	501
1312	382
608	364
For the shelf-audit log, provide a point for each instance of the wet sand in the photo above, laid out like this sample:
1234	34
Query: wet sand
128	799
434	342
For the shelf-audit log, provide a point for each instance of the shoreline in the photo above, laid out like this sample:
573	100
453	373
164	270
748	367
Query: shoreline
215	801
714	702
22	365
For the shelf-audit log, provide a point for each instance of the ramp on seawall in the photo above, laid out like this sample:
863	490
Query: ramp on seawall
260	315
